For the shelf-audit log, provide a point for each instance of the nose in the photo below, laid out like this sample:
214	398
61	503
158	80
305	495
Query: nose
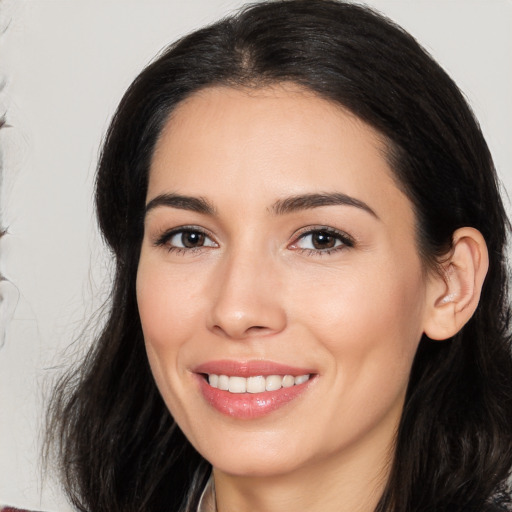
247	299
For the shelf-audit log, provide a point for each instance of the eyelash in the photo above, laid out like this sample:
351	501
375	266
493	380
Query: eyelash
164	239
346	241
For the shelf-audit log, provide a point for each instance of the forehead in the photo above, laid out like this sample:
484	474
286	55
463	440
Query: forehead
275	141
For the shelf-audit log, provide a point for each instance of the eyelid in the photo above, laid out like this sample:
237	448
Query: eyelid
164	236
345	238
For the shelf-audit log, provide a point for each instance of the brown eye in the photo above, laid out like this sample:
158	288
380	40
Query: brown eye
190	239
185	239
322	240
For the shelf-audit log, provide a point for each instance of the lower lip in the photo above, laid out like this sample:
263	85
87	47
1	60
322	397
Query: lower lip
249	405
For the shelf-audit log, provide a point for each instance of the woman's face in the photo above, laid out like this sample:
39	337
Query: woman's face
279	255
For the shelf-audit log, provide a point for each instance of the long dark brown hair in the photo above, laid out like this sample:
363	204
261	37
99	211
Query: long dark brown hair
117	445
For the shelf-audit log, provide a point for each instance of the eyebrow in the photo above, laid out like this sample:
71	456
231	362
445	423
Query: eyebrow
193	204
280	207
310	201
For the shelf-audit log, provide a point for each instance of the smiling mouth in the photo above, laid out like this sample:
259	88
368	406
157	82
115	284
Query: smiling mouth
248	390
254	384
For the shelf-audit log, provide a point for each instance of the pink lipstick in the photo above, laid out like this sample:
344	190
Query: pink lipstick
251	389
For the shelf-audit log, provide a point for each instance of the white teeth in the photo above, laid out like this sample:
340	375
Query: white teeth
301	378
237	385
223	382
256	384
289	381
273	382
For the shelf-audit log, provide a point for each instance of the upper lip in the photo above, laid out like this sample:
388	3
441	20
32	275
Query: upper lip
249	368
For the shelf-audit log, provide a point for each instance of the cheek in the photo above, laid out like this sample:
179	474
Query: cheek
368	322
165	315
165	304
168	320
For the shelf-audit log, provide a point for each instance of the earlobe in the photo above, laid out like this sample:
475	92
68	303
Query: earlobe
453	295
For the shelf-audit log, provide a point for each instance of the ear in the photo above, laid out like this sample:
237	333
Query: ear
453	295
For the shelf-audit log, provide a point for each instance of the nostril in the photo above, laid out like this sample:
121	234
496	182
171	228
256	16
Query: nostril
242	321
257	328
251	330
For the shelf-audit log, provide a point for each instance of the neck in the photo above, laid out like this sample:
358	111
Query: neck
348	483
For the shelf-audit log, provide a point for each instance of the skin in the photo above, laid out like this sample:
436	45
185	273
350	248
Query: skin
259	289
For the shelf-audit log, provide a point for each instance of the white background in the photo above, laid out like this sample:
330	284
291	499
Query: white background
65	64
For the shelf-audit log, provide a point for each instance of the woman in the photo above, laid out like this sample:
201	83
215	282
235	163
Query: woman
310	292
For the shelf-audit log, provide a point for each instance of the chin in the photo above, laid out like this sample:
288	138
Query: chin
257	467
260	457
